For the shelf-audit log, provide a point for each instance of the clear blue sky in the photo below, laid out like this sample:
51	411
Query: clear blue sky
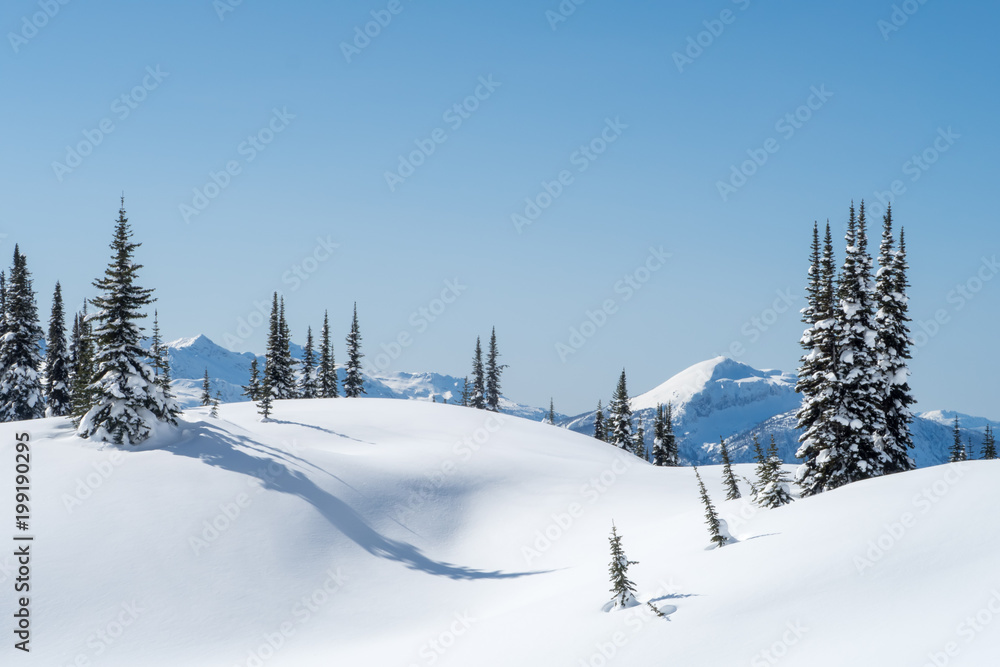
323	174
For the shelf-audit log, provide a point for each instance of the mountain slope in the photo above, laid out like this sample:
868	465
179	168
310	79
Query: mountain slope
391	532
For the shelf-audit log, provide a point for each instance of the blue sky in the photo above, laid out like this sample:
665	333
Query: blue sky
309	133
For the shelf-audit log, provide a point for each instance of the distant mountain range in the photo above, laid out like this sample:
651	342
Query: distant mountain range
713	398
723	397
229	371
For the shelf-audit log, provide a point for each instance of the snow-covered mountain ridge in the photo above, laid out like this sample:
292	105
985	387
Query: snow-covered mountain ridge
229	371
722	397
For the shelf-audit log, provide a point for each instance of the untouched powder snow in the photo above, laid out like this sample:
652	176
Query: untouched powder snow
388	532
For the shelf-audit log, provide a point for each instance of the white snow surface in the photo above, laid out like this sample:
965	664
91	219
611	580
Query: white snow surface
451	539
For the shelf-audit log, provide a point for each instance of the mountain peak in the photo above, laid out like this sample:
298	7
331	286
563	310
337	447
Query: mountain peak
198	341
684	386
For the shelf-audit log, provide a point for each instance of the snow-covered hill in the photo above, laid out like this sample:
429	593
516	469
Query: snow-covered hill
229	371
725	398
387	532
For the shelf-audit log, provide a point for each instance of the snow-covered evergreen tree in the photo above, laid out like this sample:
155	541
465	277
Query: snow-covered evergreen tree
622	588
159	355
466	392
216	400
265	400
551	417
252	388
620	416
206	390
728	478
288	388
773	491
957	451
126	402
670	449
599	422
819	432
761	471
894	349
307	386
327	368
711	516
639	443
817	315
477	397
353	380
20	348
57	362
82	351
989	451
493	371
278	371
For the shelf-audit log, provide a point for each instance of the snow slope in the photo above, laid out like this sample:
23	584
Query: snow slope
387	532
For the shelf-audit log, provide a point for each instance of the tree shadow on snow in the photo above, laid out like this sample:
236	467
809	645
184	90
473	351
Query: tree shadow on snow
223	450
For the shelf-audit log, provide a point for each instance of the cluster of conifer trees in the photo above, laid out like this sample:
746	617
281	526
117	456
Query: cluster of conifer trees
101	378
855	415
618	429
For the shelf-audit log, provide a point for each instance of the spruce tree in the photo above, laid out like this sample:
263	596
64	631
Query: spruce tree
278	371
819	432
155	343
670	450
477	398
287	388
639	443
327	367
83	365
552	412
493	371
127	402
214	412
160	356
307	388
659	431
969	453
711	516
168	393
620	416
894	349
272	354
3	302
252	388
622	588
466	392
774	488
353	381
206	390
989	451
57	362
957	452
265	400
761	471
21	394
728	479
599	422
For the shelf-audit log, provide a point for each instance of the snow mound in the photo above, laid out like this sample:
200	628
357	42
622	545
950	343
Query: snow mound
291	543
